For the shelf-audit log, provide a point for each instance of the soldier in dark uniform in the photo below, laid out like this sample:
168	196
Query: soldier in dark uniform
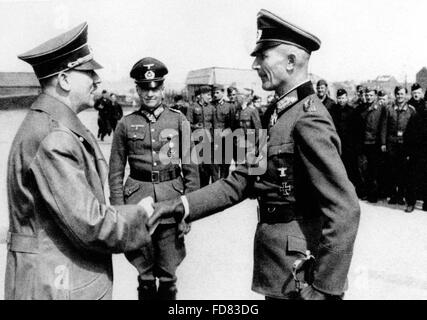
372	121
62	233
417	99
224	113
347	122
306	201
396	119
103	105
149	139
201	116
322	94
415	144
257	103
116	111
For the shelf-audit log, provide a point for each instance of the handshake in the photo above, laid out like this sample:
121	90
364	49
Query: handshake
162	210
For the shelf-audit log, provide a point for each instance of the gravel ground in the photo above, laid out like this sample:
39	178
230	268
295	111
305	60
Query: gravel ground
390	257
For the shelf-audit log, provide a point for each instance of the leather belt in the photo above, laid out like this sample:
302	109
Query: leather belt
18	242
156	176
272	214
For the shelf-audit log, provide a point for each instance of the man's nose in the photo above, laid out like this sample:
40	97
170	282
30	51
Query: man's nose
255	64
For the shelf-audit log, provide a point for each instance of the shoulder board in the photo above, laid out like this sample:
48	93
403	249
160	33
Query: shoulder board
309	105
176	111
412	107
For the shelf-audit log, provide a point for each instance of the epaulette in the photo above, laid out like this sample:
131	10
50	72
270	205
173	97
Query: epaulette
309	106
413	108
174	110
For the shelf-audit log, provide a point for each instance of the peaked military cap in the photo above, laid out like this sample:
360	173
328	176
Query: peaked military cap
273	31
341	92
416	86
149	73
205	89
67	51
218	87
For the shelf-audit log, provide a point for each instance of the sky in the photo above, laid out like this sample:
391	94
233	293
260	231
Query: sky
360	39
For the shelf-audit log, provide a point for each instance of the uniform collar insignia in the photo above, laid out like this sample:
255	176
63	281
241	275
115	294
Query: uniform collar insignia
287	100
153	116
404	108
309	106
374	106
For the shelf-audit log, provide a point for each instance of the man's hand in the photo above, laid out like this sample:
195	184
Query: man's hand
309	293
183	229
166	209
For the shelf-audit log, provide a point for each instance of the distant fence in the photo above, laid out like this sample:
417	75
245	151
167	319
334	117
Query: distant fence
16	102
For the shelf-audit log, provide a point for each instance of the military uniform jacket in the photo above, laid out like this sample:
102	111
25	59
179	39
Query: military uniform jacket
151	147
248	118
328	103
306	180
202	116
395	123
373	119
61	232
224	115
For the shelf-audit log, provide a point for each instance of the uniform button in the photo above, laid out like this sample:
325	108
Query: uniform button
134	135
81	139
152	130
258	178
154	152
155	163
153	140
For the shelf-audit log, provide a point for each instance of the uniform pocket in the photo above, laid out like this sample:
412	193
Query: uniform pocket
135	139
131	186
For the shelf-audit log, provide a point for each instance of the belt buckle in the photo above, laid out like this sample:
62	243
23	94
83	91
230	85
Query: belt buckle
155	176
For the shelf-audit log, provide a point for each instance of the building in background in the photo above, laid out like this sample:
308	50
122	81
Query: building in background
421	77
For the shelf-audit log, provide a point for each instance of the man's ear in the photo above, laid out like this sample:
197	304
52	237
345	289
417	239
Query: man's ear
290	66
64	81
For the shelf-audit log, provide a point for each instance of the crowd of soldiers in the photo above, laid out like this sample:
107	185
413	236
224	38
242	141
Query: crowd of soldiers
383	137
383	142
227	110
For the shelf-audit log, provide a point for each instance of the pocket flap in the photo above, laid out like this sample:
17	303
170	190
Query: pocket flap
296	244
136	134
281	148
131	189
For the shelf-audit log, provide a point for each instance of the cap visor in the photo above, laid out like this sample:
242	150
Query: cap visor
90	65
261	46
149	84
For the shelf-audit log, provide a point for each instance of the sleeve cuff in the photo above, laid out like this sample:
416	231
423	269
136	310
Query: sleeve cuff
186	206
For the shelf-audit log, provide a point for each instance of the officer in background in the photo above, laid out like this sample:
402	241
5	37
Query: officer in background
201	116
232	94
417	97
224	115
323	94
116	111
103	105
306	201
149	140
348	124
396	119
62	234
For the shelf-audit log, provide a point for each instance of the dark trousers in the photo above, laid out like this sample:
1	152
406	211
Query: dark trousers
349	159
159	260
373	156
416	182
398	170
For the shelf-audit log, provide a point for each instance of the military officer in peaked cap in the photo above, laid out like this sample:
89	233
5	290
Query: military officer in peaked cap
149	140
62	233
306	201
